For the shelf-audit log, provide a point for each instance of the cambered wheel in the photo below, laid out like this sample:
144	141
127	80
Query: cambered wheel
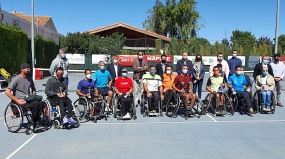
13	117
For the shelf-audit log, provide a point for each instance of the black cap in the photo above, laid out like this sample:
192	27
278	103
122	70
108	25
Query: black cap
25	65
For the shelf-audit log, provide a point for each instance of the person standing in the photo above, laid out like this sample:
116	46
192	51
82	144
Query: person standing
161	67
279	73
220	60
140	67
258	67
184	61
60	61
198	75
114	68
233	62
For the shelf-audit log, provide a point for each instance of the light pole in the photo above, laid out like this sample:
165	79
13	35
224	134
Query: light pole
33	43
276	30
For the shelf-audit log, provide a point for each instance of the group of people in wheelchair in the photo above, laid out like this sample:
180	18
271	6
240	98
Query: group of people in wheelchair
236	92
100	95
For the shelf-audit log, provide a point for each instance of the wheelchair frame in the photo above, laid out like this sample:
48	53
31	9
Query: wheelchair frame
257	100
56	116
23	112
145	110
115	105
211	103
87	105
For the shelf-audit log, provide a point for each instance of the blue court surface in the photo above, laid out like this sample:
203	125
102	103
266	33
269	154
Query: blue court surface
239	136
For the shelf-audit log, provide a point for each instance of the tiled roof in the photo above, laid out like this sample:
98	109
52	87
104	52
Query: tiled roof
131	28
42	19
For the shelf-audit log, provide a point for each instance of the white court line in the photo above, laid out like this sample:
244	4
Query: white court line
18	149
13	153
211	117
183	122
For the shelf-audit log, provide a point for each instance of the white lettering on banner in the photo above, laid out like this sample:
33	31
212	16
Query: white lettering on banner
76	58
207	60
125	60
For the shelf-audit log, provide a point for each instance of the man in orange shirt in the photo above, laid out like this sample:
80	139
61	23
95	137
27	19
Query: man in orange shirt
168	79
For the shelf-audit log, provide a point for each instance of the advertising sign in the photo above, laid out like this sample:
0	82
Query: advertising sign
76	58
127	60
252	61
96	58
207	60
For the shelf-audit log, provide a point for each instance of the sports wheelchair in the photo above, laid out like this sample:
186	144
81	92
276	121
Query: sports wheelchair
145	111
257	100
178	102
14	118
210	102
55	114
85	107
117	106
239	102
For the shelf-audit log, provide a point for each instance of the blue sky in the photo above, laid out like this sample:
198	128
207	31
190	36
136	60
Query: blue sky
221	16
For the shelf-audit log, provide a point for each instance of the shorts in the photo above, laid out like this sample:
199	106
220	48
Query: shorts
104	90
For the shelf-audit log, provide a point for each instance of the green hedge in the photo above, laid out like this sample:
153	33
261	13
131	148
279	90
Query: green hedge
45	51
13	48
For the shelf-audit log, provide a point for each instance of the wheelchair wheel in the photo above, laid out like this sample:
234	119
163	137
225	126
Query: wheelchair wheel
134	111
13	117
115	106
207	103
143	101
77	122
256	102
199	106
80	106
56	124
229	107
171	110
234	100
273	103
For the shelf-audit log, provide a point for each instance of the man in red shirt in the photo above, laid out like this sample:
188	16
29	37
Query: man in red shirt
183	86
124	87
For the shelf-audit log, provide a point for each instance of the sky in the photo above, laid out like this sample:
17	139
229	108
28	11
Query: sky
220	17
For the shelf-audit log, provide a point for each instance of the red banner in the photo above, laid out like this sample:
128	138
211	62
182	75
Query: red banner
127	60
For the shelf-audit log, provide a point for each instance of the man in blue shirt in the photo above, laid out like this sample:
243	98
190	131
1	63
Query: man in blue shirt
233	62
238	83
88	89
103	81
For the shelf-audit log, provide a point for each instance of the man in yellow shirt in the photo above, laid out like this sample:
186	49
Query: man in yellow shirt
168	79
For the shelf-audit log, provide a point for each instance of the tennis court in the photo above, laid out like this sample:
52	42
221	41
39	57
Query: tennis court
237	136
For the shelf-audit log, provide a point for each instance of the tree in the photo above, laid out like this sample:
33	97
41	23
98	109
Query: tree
173	19
243	39
76	42
281	44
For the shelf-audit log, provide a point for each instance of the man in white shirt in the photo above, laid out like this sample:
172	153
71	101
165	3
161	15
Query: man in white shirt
279	73
220	60
153	87
115	69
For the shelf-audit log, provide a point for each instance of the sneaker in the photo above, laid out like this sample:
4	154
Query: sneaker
125	117
250	111
268	109
264	109
65	120
128	115
72	121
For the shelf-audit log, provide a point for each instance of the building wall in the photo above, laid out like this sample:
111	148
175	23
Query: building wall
26	27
